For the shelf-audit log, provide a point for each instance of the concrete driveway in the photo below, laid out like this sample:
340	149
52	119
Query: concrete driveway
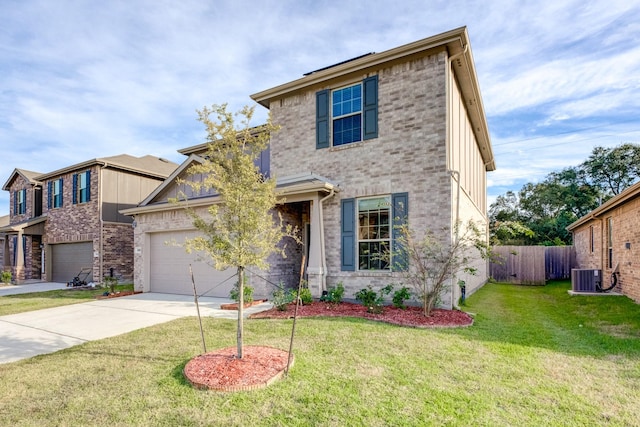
28	334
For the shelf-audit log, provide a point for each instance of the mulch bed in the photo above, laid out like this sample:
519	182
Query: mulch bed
118	294
410	316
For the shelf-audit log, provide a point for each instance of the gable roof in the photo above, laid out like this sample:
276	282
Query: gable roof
628	194
455	42
29	176
146	165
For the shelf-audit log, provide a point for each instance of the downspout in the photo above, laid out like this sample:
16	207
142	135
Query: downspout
101	244
454	294
322	250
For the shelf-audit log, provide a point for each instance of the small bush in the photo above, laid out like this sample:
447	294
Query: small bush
400	296
234	294
281	298
5	276
335	294
305	294
372	300
110	282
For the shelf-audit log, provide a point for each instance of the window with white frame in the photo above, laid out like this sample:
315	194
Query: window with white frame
374	233
56	193
21	202
346	114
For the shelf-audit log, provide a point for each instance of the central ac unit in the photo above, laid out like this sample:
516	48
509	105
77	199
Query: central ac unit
586	280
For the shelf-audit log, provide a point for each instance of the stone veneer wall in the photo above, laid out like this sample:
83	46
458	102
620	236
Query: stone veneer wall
409	155
118	251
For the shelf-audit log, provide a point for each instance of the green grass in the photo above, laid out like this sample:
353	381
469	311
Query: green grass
12	304
526	361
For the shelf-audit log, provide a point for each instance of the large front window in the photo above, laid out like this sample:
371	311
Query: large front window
346	113
374	233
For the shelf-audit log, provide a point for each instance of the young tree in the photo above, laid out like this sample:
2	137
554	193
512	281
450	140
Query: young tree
435	260
242	231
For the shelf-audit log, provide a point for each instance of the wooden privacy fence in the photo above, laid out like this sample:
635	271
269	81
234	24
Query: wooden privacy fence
532	265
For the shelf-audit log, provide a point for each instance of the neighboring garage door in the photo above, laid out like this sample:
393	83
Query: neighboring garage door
169	265
68	259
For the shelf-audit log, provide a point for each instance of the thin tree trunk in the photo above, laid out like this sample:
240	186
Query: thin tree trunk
240	309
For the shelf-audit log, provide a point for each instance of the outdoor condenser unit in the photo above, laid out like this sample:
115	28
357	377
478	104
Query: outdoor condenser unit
586	280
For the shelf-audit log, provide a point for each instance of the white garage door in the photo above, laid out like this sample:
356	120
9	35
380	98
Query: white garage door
170	268
68	259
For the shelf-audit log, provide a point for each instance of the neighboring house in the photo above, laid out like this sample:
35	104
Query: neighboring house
4	221
67	220
608	239
363	145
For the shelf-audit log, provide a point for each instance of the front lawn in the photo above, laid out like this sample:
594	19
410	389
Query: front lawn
19	303
535	356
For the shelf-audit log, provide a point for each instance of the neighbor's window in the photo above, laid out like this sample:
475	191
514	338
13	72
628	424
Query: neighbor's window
610	242
21	202
346	113
81	183
55	193
374	233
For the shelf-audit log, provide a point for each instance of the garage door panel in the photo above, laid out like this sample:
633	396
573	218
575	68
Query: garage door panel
169	268
67	259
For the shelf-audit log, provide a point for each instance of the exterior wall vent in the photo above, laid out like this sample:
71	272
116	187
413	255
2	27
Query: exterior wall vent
586	280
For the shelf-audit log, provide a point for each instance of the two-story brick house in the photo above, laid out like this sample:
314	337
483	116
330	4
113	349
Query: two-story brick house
608	239
66	220
400	134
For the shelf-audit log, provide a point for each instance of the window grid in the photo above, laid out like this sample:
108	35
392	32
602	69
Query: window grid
374	234
57	194
82	188
346	111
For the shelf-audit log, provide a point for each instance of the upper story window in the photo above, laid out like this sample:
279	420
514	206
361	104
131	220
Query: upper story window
348	114
55	194
82	187
20	202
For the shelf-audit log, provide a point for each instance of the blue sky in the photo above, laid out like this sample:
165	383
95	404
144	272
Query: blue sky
87	79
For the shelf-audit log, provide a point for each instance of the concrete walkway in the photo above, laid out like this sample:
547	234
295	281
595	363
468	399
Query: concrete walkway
31	287
45	331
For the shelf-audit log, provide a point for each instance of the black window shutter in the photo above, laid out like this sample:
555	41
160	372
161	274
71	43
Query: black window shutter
370	107
88	190
15	203
400	202
322	119
348	235
61	192
74	195
49	195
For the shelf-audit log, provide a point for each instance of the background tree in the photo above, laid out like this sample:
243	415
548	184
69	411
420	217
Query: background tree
243	231
540	212
613	169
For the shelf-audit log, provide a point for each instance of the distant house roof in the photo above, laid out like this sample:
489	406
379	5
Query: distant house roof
628	194
29	176
455	42
145	165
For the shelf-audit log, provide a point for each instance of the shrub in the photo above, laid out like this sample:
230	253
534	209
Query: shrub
335	294
282	298
5	276
372	300
110	282
400	296
305	294
234	294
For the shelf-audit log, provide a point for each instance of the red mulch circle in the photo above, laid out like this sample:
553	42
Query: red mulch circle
410	316
221	370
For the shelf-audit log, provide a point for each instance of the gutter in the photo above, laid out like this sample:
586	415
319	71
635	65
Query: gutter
322	248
